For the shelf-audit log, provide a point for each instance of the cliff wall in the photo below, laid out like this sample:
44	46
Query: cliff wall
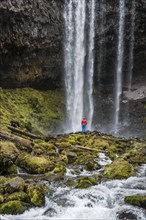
31	41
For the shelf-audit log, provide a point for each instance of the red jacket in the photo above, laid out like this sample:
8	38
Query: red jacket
84	122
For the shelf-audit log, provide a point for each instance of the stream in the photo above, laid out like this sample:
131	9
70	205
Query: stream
101	202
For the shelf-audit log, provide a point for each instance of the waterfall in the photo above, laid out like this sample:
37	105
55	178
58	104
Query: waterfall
69	41
102	20
74	16
120	53
75	50
90	63
132	38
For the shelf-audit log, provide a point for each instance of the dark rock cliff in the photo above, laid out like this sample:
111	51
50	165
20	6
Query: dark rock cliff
107	39
31	41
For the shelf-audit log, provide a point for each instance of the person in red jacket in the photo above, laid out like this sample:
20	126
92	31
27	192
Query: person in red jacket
84	123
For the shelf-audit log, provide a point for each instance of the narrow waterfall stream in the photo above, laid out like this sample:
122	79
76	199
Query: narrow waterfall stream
74	56
120	53
131	49
102	202
90	63
102	47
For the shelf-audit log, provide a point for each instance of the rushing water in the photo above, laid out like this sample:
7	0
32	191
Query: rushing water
132	39
120	53
102	202
74	16
102	48
90	63
76	47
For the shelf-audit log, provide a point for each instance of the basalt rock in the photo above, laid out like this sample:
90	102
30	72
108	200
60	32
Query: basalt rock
30	43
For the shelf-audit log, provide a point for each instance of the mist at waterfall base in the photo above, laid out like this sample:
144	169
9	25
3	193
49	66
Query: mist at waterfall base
92	91
102	202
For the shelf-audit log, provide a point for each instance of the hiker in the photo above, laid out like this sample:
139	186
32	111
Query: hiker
84	123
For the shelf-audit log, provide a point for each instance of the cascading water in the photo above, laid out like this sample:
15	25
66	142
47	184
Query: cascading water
119	69
102	202
74	16
74	55
90	63
102	48
132	38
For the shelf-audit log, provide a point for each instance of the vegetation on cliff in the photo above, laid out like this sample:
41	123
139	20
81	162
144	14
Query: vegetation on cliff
32	110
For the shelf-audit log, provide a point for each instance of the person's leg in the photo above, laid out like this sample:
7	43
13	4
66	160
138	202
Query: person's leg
83	128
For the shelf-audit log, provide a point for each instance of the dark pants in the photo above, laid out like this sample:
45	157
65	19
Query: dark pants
84	128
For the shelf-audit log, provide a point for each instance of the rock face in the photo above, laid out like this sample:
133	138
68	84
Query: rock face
30	43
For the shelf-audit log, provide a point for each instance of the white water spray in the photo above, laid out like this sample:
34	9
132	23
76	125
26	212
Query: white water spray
102	49
120	54
74	16
132	38
74	55
90	66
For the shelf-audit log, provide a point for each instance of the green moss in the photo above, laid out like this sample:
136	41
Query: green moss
119	169
137	200
70	183
12	169
59	169
85	182
1	199
15	184
8	149
33	110
36	195
12	207
34	164
64	158
21	196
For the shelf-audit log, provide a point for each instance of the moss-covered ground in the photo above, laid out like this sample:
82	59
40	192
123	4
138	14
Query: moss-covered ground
31	110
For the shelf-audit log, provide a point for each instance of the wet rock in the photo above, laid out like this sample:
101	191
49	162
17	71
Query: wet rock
36	194
136	200
8	155
14	185
13	207
126	215
34	164
119	169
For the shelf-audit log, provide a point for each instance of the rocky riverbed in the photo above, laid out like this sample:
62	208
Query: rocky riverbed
27	172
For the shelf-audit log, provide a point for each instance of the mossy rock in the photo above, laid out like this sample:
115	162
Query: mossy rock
3	179
119	169
60	169
90	165
72	156
21	196
100	144
8	153
64	158
13	207
12	169
2	189
70	183
14	185
137	200
36	194
1	199
34	164
85	182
